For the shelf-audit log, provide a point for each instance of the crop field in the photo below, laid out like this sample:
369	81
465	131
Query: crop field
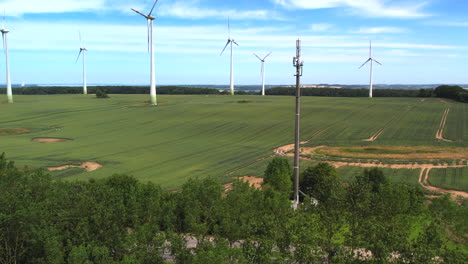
219	136
450	178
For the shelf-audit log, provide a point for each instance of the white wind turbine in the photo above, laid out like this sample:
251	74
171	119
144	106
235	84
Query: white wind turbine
83	50
371	60
7	67
150	19
263	70
230	41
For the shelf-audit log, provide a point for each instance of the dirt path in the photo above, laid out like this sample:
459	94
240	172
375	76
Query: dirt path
376	135
423	177
88	166
443	121
424	181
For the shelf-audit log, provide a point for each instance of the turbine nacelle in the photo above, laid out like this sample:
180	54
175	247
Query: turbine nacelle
4	31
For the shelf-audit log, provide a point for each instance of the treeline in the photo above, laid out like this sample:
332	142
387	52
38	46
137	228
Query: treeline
444	91
343	92
452	92
122	220
40	90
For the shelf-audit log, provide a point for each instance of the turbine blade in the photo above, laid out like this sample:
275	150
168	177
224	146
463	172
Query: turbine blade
225	47
4	15
267	55
257	56
377	61
3	37
370	48
79	54
138	12
365	63
233	41
153	8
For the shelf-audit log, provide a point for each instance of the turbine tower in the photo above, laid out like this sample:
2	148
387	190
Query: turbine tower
83	50
371	60
7	66
230	41
150	19
263	71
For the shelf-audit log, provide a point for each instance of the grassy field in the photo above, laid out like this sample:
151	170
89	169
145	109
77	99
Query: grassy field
221	136
450	178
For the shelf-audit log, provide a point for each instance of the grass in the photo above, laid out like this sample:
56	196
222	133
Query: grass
197	136
405	176
451	178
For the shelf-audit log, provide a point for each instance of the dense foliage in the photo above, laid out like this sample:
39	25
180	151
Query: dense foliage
452	92
112	90
101	94
121	220
343	92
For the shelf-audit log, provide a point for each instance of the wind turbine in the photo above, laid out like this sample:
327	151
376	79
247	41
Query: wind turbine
371	60
7	67
83	50
230	41
150	19
263	70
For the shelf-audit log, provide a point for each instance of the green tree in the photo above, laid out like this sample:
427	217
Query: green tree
321	182
101	94
278	175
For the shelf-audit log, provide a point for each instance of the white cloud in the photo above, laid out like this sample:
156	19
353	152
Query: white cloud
371	8
320	27
379	30
20	7
190	10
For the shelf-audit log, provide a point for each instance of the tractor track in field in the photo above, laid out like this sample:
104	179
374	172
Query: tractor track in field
391	121
424	182
443	122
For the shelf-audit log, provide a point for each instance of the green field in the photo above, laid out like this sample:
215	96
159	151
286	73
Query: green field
220	136
450	178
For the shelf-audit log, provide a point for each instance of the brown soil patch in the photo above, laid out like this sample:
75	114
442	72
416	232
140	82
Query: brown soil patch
375	136
253	182
51	140
13	131
88	166
443	121
390	152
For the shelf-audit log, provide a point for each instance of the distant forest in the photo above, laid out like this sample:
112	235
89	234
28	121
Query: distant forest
444	91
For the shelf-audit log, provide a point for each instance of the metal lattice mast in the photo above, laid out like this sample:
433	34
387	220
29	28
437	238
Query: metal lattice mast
298	64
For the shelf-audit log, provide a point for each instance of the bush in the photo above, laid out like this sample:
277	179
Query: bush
101	94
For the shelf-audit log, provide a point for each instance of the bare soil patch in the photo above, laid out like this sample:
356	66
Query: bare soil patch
13	131
88	166
51	140
253	182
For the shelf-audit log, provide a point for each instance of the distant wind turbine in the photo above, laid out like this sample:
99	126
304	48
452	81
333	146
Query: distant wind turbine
230	41
263	70
150	19
371	60
83	50
7	67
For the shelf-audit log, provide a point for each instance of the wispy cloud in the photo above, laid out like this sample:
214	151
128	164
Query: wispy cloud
192	10
371	8
451	23
321	27
379	30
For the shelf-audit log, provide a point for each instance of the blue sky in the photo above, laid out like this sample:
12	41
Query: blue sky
418	41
